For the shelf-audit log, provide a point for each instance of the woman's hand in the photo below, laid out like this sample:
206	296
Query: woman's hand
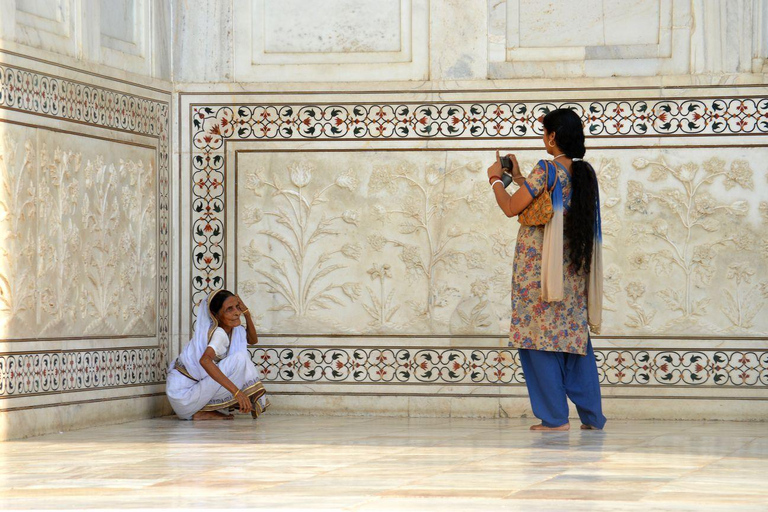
494	171
243	401
241	305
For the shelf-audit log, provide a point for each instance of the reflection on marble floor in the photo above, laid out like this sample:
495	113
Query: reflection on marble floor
388	464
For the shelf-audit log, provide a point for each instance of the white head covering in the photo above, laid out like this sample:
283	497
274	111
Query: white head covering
206	325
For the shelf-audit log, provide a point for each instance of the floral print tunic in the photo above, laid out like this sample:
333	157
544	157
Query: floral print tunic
549	326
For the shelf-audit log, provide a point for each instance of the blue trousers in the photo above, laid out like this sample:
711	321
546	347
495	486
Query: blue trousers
553	376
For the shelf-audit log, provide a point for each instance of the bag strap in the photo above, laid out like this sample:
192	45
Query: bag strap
552	178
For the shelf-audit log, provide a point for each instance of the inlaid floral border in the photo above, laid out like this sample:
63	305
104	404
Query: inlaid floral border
45	372
623	367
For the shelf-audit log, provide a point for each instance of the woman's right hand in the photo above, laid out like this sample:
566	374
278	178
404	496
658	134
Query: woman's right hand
244	402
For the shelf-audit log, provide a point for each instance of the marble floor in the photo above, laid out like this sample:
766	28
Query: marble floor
389	464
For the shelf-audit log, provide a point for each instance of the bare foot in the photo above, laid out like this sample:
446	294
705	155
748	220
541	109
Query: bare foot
584	426
211	415
561	428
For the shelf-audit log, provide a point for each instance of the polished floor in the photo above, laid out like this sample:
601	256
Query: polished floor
389	464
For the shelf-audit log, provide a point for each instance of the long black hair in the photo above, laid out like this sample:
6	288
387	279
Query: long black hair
218	301
579	224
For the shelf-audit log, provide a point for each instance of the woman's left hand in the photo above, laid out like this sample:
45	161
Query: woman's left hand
495	168
241	305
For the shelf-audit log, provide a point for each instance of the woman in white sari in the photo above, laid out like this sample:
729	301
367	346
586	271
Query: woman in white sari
214	371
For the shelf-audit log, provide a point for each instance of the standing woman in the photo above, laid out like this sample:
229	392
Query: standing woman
553	309
215	371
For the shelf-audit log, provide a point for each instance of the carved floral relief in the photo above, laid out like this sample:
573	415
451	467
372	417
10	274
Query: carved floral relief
412	242
79	230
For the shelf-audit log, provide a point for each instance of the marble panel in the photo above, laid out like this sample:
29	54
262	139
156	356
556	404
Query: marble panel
203	41
386	242
461	33
554	24
336	26
392	43
119	20
49	25
613	38
81	236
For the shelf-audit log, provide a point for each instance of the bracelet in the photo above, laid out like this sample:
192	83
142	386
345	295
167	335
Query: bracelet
495	182
491	178
236	392
246	311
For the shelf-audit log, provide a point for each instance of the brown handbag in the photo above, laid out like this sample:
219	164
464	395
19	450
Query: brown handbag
540	210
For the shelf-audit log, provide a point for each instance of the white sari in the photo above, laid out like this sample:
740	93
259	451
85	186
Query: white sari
189	387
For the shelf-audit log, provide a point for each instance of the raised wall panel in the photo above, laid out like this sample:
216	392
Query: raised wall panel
50	25
301	40
594	38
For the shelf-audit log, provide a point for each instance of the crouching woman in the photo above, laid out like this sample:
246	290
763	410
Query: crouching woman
214	372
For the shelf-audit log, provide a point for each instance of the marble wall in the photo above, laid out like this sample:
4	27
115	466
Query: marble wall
84	213
121	38
333	175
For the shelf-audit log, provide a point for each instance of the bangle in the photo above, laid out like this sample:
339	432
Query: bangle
495	182
245	312
236	392
491	178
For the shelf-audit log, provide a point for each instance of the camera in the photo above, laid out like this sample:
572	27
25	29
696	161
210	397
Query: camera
507	168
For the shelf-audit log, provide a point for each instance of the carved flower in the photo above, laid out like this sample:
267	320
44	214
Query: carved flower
248	287
713	165
635	290
251	254
764	210
383	178
688	171
475	259
705	204
253	182
479	288
640	163
347	181
660	227
377	242
740	272
252	215
639	260
301	174
637	199
703	254
352	251
352	290
477	199
612	274
739	173
380	272
433	175
412	259
764	289
350	217
739	208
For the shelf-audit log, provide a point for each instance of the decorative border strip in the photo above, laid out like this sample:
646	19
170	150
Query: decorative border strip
211	126
47	95
38	93
621	367
45	372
